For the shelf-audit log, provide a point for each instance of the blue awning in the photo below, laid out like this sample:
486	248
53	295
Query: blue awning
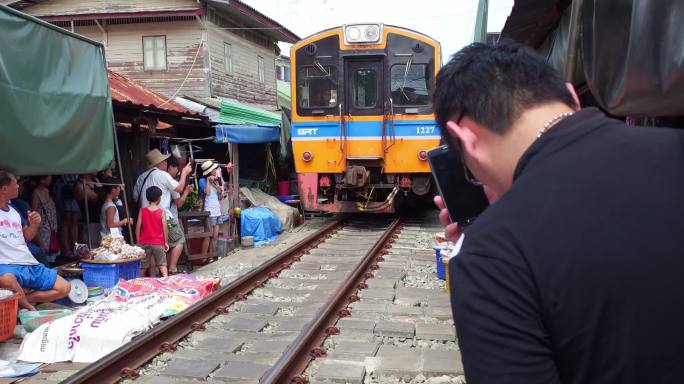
246	134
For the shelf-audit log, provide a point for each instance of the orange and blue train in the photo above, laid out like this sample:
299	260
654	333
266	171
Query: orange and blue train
362	119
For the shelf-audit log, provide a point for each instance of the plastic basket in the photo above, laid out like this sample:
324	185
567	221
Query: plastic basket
129	270
31	320
106	276
100	275
8	316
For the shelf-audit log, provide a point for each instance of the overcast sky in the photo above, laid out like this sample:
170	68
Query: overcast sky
451	22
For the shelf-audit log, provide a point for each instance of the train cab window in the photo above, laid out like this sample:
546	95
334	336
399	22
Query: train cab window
364	92
410	86
317	87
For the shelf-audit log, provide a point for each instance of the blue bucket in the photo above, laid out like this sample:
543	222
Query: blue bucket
441	272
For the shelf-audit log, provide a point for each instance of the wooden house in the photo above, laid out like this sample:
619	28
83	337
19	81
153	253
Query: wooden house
199	48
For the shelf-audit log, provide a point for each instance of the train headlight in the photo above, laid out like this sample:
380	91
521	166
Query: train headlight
362	33
422	155
353	34
307	156
372	33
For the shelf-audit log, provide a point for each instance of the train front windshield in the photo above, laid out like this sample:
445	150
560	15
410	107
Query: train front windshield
317	87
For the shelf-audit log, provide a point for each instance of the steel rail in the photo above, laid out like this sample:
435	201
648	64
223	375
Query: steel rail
306	346
123	362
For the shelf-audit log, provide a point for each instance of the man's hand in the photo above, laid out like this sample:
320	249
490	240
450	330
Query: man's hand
229	167
34	218
166	247
451	230
187	169
188	189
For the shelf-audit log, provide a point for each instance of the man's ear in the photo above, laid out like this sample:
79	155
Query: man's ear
465	135
571	89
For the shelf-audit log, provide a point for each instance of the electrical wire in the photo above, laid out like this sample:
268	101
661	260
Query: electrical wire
186	76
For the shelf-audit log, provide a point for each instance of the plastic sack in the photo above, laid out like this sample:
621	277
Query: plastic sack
134	306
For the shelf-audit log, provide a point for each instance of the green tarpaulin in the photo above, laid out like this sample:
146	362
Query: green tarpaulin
55	108
233	112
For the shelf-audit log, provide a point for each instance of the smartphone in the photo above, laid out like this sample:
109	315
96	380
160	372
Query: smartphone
464	200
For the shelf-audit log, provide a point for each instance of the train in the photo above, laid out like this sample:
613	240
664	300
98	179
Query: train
362	119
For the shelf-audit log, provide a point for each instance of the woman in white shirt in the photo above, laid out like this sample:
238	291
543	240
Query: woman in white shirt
213	194
109	214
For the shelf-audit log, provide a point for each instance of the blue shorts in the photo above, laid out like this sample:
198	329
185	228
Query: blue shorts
37	277
215	220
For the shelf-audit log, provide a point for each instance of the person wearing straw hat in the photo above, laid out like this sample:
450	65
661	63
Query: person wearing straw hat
157	176
212	187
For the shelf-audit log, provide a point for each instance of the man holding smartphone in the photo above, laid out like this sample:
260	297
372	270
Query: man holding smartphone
574	274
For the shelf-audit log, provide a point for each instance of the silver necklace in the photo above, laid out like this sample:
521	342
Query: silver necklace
553	122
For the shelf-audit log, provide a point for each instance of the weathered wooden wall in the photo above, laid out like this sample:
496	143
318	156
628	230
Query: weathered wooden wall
243	85
122	39
124	53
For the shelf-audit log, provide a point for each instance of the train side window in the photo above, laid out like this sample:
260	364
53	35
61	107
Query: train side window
317	87
364	93
410	87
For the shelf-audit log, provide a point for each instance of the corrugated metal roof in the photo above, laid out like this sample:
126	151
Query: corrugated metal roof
254	18
233	112
127	91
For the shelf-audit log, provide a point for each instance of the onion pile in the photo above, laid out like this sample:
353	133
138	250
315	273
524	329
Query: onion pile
115	248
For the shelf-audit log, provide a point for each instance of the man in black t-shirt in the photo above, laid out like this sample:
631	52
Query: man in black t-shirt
574	275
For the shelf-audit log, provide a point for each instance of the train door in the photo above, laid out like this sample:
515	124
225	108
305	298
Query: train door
363	110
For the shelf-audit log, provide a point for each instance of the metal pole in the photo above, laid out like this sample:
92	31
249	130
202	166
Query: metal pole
87	214
118	161
194	165
123	184
235	174
573	39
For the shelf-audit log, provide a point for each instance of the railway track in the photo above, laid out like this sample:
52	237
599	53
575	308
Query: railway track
323	273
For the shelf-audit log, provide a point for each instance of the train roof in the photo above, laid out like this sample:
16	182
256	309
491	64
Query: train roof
305	40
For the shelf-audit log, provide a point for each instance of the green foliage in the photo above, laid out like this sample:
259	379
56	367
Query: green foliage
190	200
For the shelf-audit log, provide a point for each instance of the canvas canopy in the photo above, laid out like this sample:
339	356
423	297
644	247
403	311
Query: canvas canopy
55	107
630	54
246	134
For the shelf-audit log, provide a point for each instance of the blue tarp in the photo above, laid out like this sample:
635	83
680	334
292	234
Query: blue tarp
247	134
261	223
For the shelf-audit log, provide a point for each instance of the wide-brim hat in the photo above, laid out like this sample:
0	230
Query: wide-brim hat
155	157
208	167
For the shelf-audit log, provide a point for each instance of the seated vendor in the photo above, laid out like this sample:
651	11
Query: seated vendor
24	208
15	257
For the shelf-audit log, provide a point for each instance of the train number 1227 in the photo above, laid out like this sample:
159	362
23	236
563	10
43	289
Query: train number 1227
425	130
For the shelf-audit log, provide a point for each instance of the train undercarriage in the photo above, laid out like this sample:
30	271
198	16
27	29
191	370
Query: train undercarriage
361	189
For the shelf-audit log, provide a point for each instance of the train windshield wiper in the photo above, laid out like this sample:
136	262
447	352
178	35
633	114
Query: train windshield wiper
325	73
406	72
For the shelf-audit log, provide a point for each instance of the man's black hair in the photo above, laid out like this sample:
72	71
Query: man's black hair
6	177
172	162
493	85
153	194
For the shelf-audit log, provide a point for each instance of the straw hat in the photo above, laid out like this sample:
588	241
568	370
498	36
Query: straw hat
208	167
155	157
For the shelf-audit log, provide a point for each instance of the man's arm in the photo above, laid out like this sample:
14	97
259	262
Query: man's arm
183	178
31	229
498	322
138	224
181	199
165	230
